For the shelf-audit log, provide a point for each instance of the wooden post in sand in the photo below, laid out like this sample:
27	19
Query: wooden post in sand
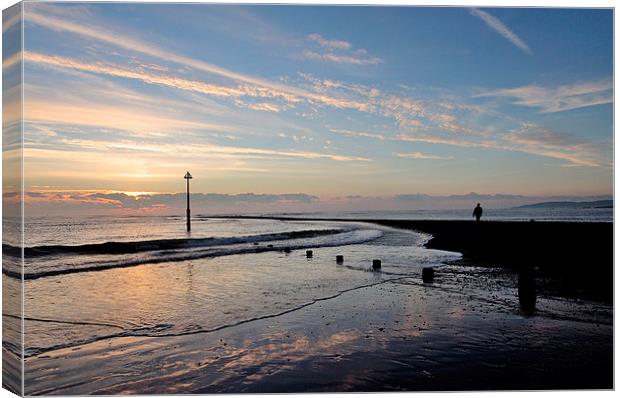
428	273
187	214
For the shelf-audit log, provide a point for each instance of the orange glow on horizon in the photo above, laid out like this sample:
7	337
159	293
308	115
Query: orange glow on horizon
136	194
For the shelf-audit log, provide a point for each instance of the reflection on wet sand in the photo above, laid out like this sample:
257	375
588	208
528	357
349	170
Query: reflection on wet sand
365	339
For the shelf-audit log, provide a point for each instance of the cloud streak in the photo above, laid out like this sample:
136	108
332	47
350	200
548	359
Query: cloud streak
195	150
341	59
501	28
535	139
163	80
529	138
558	99
331	44
135	121
338	51
420	155
268	88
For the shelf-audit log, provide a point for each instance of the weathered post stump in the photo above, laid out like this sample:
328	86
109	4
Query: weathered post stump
308	253
428	274
376	264
526	289
340	259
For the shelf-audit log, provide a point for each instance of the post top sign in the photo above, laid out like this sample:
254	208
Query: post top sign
188	176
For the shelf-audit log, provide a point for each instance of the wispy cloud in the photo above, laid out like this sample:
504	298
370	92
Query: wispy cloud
113	159
10	61
195	149
162	79
264	106
407	112
410	114
268	88
420	155
101	34
440	122
10	18
364	134
558	99
532	138
338	51
501	28
135	121
529	138
332	44
341	59
139	74
453	141
436	119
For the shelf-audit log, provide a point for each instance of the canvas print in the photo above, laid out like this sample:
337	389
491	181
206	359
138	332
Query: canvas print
229	198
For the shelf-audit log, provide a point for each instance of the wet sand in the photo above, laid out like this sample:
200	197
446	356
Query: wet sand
569	259
398	335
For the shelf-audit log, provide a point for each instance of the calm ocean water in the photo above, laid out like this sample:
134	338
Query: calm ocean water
514	214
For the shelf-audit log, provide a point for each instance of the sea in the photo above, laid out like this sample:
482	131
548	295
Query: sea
98	278
584	214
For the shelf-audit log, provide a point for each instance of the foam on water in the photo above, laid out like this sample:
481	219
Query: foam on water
50	260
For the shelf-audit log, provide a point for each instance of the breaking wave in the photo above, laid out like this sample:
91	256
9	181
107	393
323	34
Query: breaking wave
46	261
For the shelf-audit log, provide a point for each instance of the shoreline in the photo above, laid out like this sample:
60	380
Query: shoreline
570	259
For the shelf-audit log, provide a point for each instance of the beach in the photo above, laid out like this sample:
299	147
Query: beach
250	311
298	198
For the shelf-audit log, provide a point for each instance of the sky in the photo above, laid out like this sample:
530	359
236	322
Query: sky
311	107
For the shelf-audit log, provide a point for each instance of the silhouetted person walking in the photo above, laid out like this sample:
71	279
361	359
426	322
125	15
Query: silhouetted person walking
477	212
